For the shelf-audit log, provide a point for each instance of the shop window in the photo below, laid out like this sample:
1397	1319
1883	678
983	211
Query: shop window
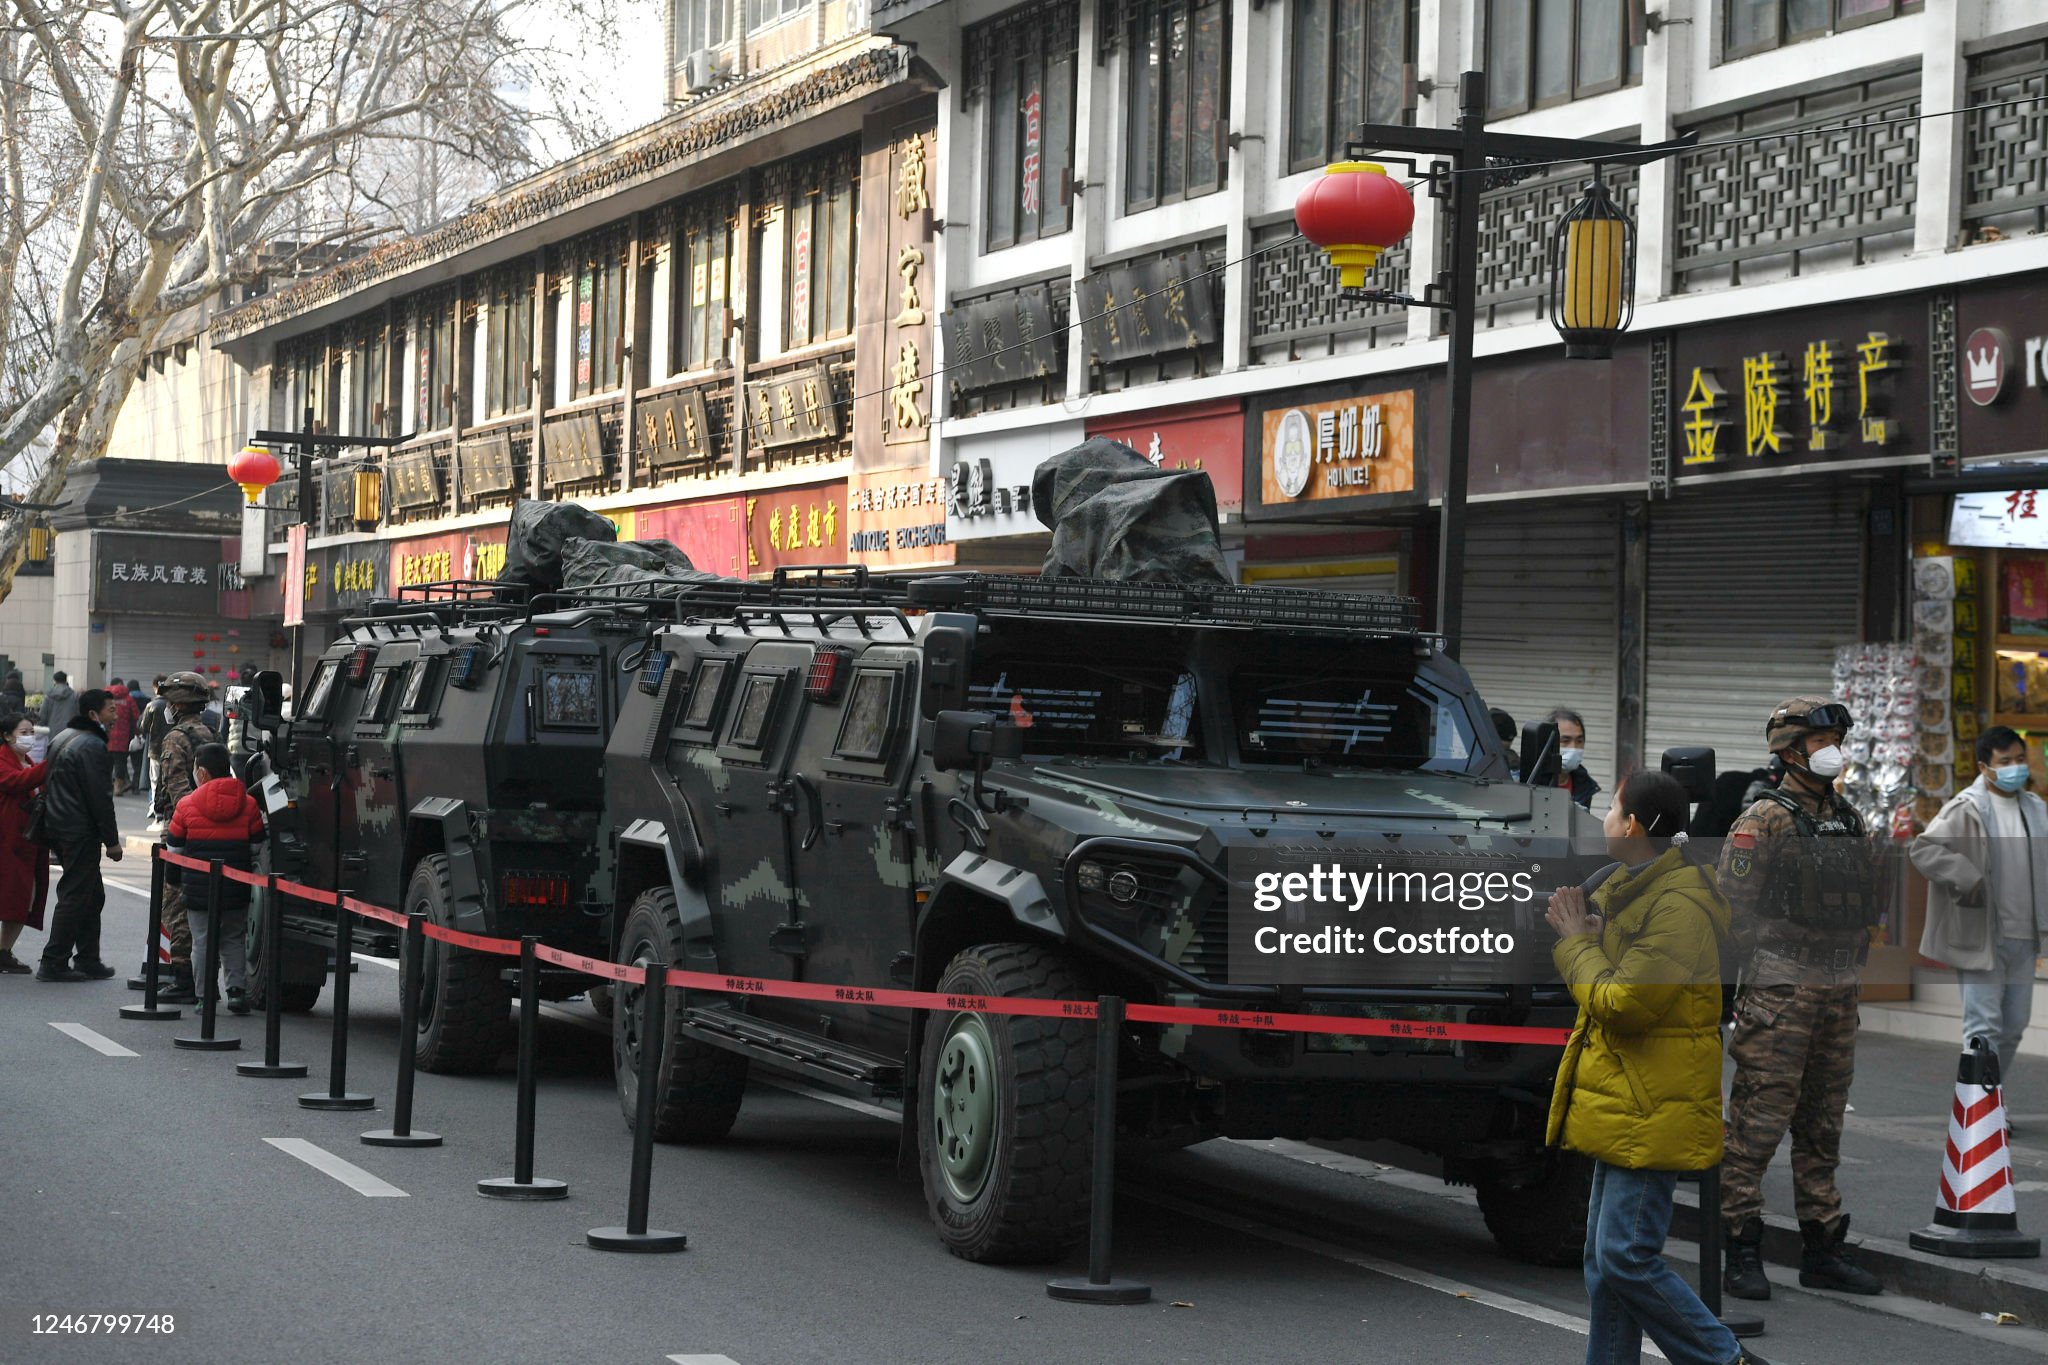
1176	64
817	198
508	343
308	383
768	13
434	356
1348	65
1545	52
1022	68
703	254
596	285
1749	26
369	386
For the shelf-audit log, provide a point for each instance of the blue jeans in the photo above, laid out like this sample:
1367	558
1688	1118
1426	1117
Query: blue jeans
1997	1003
1631	1289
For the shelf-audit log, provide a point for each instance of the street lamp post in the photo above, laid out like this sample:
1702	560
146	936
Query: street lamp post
1462	160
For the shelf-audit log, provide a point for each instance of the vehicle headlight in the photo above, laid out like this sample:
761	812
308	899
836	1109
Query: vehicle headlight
1092	876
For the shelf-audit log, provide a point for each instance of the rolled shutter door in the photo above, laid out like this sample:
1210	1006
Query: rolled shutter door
1750	592
141	647
1542	599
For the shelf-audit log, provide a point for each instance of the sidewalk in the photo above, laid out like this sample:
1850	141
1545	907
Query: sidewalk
132	814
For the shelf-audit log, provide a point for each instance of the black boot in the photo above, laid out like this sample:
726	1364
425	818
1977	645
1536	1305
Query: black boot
1750	1357
1745	1277
1826	1264
180	991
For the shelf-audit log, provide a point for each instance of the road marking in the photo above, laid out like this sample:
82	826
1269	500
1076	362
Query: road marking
1309	1154
1485	1298
320	1159
704	1360
98	1042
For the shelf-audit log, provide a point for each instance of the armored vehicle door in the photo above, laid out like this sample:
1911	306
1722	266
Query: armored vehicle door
376	791
855	838
323	725
753	825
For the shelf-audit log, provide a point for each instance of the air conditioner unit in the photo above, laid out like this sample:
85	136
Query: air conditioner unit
702	69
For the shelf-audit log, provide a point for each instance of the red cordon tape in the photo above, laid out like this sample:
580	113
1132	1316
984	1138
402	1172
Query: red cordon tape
1266	1020
235	874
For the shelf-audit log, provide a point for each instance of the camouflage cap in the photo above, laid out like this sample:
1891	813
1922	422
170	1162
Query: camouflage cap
186	686
1788	723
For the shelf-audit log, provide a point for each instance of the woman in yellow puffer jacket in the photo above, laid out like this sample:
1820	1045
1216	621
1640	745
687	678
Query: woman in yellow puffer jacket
1639	1089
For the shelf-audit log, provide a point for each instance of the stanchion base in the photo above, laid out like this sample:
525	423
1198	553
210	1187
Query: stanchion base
136	983
1743	1325
385	1137
159	1013
281	1071
322	1100
1109	1291
619	1239
1973	1243
505	1187
207	1044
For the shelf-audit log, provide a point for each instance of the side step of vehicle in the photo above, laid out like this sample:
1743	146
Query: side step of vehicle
816	1058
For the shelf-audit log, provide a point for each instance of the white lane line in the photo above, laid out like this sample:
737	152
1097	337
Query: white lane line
1393	1270
704	1360
1310	1155
326	1162
98	1042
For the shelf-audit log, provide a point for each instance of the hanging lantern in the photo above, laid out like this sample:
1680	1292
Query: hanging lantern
1593	274
255	469
198	653
369	498
40	539
1353	213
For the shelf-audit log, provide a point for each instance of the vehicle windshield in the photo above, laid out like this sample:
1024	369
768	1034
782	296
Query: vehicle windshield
1342	715
1104	709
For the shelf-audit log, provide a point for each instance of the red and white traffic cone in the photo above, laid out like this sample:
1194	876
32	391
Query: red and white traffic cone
163	958
1976	1215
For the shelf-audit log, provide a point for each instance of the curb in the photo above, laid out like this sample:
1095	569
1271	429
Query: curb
1988	1286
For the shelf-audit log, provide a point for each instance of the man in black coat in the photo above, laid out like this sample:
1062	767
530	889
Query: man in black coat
78	814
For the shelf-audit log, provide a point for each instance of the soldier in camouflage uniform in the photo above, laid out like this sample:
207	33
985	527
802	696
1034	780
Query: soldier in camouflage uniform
1801	878
187	695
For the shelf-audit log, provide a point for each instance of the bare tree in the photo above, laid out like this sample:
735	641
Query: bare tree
148	147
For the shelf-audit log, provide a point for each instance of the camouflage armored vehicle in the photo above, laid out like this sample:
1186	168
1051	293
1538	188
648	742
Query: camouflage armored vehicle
445	756
992	786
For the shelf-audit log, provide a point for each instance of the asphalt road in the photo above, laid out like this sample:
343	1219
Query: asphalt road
154	1184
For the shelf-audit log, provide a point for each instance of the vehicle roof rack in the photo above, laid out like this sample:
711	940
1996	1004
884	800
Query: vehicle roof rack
1207	604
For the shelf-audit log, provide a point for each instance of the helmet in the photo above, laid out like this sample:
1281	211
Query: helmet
1794	720
186	686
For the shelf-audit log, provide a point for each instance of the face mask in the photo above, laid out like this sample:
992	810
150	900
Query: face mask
1569	759
2012	778
1826	763
24	742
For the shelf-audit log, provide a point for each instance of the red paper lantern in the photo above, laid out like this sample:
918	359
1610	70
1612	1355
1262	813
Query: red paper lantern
255	469
214	638
213	668
1354	212
199	639
198	653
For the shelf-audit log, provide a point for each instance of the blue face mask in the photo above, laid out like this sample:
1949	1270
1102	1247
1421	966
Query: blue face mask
2012	778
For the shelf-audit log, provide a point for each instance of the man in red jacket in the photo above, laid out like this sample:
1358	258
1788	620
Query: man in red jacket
218	820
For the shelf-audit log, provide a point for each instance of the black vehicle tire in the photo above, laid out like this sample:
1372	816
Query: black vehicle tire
700	1086
295	997
1006	1112
465	1005
1543	1222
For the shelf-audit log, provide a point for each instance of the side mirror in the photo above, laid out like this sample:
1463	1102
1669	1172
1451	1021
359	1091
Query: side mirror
270	708
948	651
1693	766
972	739
1540	762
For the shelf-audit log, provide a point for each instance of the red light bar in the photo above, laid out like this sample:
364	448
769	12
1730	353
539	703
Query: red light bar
534	888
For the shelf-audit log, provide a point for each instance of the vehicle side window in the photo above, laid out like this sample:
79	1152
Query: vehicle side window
704	700
420	691
756	709
870	713
321	693
569	700
377	697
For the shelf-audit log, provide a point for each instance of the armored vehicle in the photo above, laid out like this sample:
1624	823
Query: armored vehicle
993	786
445	756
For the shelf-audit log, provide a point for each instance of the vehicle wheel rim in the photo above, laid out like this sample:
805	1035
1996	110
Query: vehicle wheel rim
964	1107
626	1014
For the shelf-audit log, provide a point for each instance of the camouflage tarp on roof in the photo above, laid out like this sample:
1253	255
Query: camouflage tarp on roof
594	563
1116	515
537	536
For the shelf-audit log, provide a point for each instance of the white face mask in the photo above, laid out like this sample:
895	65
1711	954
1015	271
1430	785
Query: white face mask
1826	763
1569	759
24	742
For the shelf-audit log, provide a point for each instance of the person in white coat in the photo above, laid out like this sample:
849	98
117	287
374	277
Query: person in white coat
1985	857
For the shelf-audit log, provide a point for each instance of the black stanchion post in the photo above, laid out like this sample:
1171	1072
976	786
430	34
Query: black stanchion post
209	990
149	1009
273	992
1742	1322
411	961
337	1095
635	1236
521	1184
1100	1286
